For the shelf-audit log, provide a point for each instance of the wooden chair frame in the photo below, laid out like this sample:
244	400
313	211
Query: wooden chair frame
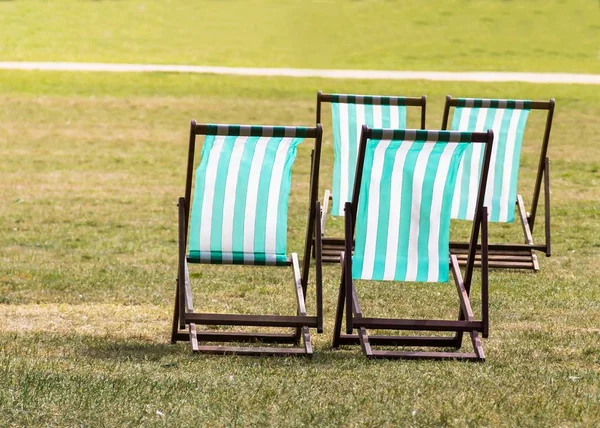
513	255
332	246
348	299
186	319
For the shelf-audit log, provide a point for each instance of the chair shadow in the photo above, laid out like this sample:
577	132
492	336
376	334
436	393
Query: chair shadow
141	350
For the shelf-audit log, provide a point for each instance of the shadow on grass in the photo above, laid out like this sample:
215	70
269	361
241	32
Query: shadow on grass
136	350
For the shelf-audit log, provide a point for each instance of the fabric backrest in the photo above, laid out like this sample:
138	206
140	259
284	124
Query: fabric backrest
240	202
349	114
403	217
507	118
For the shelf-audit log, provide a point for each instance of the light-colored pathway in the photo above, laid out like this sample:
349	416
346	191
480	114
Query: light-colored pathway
467	76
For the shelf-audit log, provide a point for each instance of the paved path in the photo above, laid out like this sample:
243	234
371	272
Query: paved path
468	76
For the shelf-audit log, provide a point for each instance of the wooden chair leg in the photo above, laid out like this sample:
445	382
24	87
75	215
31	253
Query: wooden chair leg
175	325
339	313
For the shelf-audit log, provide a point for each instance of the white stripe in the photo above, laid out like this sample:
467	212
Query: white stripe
377	116
456	200
273	201
436	212
209	193
270	259
245	131
394	117
433	136
229	200
344	153
417	195
387	134
505	204
410	134
395	209
474	167
489	188
373	209
251	198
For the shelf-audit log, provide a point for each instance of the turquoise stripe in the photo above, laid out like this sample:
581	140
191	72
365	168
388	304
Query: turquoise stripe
500	140
363	203
385	193
264	182
425	211
256	130
194	256
241	193
284	194
386	187
499	163
444	238
368	118
219	198
514	177
198	195
337	206
215	252
492	103
402	117
424	135
365	99
406	208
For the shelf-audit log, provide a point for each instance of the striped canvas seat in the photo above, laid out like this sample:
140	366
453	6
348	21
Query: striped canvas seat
403	219
349	113
507	118
240	206
397	228
238	215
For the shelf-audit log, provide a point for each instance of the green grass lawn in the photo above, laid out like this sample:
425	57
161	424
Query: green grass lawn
532	35
91	166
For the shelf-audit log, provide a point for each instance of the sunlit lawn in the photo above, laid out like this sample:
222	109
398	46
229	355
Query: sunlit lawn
91	166
532	35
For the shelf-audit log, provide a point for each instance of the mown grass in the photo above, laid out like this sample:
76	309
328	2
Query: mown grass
91	166
536	35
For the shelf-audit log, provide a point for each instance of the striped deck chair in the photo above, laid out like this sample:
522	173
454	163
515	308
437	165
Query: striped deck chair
399	218
239	216
349	113
507	118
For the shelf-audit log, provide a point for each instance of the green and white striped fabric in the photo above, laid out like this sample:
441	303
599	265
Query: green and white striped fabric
507	118
240	204
349	114
403	218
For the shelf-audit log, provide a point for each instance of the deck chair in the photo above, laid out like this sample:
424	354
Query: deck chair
507	118
400	219
349	113
239	216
